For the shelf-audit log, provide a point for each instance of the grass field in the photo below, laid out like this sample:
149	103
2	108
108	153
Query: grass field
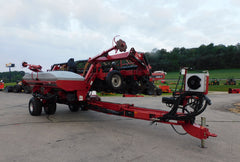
9	84
219	74
222	75
221	87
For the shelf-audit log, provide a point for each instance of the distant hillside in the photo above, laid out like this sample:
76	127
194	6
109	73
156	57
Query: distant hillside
15	76
207	57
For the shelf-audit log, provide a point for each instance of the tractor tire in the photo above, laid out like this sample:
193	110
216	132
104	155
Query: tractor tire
35	107
158	92
84	107
114	80
17	88
74	107
9	89
150	89
27	89
50	108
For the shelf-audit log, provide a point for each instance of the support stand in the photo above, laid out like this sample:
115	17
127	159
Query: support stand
203	124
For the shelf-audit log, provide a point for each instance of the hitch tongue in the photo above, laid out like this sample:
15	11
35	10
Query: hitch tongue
211	134
197	131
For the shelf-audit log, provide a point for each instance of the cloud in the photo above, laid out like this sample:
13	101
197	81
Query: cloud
48	31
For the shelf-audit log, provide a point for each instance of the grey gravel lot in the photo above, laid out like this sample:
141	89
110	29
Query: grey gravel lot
91	136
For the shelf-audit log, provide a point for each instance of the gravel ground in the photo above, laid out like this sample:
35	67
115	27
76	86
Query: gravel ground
91	136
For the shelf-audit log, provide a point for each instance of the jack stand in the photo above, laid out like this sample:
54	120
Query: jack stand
203	124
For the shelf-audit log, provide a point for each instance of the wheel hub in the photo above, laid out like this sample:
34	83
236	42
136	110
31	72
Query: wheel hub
116	81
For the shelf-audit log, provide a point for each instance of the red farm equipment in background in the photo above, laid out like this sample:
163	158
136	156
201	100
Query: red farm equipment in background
126	73
234	90
75	90
1	85
157	75
165	88
160	76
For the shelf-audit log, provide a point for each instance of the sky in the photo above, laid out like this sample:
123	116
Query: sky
44	32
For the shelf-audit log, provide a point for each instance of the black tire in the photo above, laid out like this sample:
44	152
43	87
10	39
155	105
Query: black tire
17	88
35	107
150	88
83	107
50	108
74	107
158	91
9	89
27	89
114	80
